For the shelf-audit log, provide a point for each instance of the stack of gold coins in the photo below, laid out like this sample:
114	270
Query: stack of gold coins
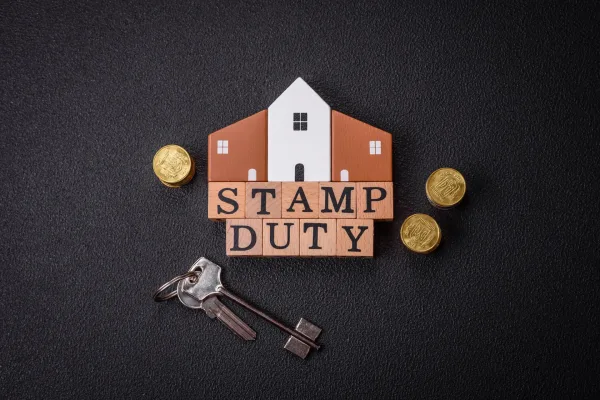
445	188
173	165
420	233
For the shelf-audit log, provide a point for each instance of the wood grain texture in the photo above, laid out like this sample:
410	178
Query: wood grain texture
375	200
354	238
226	200
244	237
318	237
263	200
300	194
337	200
281	237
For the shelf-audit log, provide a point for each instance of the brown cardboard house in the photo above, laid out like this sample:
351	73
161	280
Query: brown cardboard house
299	138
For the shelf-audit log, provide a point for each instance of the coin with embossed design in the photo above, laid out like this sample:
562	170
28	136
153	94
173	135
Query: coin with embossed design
173	165
420	233
445	188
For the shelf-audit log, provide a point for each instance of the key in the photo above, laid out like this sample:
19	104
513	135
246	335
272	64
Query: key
215	309
208	286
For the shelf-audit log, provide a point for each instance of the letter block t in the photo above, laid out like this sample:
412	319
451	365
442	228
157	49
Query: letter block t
354	238
263	200
318	237
226	200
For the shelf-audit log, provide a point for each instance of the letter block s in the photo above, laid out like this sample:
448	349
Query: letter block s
226	200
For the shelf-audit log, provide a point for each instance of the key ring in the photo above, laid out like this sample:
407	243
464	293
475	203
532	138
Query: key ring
158	297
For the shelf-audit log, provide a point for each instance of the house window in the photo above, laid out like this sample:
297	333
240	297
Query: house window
222	146
300	121
375	147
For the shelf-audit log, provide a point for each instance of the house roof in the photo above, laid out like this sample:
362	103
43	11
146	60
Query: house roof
299	90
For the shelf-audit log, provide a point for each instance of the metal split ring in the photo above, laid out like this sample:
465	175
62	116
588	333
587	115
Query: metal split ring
158	296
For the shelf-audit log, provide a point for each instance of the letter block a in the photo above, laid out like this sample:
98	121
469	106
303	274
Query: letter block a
263	200
226	200
354	238
300	200
244	237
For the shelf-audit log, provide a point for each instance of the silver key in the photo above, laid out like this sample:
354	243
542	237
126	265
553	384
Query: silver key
215	309
200	292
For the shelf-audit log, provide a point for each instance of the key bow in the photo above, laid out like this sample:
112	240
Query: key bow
208	282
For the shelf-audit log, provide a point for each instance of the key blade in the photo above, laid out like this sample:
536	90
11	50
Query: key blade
212	305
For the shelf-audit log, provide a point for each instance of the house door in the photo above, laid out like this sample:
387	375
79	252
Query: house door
299	172
344	175
251	175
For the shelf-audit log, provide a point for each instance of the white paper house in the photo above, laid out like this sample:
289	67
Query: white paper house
299	136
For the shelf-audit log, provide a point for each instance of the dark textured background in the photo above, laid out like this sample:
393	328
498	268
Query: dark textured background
507	307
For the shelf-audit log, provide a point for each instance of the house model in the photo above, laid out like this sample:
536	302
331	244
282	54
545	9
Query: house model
299	138
298	163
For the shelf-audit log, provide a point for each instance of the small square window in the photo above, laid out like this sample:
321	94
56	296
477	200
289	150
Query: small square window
300	121
222	146
375	147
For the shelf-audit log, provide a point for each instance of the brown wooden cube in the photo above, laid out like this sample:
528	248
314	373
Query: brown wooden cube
244	237
337	200
375	200
318	237
263	200
226	200
281	237
354	238
300	199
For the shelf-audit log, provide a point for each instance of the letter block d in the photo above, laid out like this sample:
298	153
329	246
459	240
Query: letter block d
244	237
226	200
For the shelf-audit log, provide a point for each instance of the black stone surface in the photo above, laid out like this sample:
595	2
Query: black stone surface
505	92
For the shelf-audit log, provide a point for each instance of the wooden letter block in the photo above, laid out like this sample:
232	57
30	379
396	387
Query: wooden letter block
354	238
318	237
375	200
300	200
281	237
226	200
337	200
263	200
244	237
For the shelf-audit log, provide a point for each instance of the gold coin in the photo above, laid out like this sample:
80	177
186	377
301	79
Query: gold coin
445	188
420	233
173	165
